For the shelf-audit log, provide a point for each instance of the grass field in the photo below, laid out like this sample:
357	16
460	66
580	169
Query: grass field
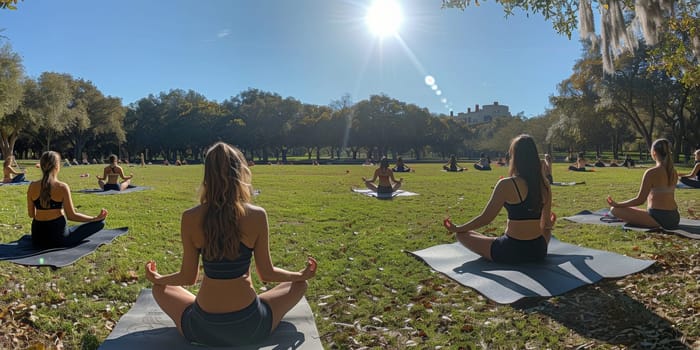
368	291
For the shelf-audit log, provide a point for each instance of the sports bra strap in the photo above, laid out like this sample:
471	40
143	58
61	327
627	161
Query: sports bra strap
517	189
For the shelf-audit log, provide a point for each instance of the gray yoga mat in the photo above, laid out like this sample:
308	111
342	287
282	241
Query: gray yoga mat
566	267
687	228
145	326
370	193
128	190
23	252
15	183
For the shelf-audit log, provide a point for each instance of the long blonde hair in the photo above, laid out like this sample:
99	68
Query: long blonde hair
662	148
8	161
48	162
225	191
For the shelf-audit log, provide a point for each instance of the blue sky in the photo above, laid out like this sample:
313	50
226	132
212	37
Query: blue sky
312	50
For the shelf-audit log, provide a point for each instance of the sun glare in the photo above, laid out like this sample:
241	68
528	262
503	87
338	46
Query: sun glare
384	18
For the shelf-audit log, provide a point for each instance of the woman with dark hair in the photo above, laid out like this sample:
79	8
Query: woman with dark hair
657	189
227	231
400	166
10	175
387	183
452	165
691	179
484	163
47	200
110	177
528	200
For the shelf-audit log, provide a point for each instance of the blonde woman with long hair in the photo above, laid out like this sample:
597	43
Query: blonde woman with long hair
657	189
48	200
227	231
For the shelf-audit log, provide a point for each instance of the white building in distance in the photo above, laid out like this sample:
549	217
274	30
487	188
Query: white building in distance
484	114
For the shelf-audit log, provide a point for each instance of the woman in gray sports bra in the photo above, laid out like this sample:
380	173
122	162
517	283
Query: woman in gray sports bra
657	189
227	231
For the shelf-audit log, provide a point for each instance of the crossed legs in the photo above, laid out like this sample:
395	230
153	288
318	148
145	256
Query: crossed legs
173	300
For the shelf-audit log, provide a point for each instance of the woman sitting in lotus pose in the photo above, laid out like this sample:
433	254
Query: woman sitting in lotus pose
527	197
227	231
47	200
657	189
387	182
10	175
110	178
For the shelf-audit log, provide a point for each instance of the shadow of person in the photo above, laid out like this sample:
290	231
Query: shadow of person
605	313
557	274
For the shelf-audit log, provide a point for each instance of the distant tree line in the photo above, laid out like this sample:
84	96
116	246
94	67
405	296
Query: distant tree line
591	112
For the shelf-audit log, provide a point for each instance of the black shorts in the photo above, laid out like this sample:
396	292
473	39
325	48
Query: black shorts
112	187
668	219
506	249
253	324
384	189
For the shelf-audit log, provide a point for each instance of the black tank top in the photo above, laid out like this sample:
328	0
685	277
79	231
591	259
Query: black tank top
520	211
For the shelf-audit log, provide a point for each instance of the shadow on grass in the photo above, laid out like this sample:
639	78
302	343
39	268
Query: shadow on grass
604	313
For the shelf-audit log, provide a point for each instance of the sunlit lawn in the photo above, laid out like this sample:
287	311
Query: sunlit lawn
368	291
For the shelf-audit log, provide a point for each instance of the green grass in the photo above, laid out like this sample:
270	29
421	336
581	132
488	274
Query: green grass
368	292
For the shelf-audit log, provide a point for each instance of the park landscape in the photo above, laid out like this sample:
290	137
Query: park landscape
369	292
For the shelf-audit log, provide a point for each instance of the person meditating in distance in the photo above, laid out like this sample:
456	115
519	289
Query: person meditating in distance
484	163
691	179
400	166
228	232
658	189
580	164
10	175
452	165
387	183
47	200
527	197
547	168
111	175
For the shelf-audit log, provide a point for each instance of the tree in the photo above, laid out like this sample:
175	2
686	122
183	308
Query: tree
51	100
670	27
93	116
8	4
11	96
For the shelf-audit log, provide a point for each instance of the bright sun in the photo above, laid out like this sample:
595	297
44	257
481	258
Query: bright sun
384	18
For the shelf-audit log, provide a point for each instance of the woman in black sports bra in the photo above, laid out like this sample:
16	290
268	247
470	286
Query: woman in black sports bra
227	231
110	178
47	200
527	198
387	183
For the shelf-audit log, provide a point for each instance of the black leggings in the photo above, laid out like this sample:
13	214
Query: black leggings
18	178
56	233
690	182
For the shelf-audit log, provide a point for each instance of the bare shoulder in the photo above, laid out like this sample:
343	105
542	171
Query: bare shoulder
255	212
193	213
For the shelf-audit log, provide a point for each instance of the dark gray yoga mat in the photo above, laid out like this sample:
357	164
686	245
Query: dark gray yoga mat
687	228
23	252
146	326
566	267
370	193
15	183
128	190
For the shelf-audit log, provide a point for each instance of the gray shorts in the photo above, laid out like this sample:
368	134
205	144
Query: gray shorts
668	219
250	325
